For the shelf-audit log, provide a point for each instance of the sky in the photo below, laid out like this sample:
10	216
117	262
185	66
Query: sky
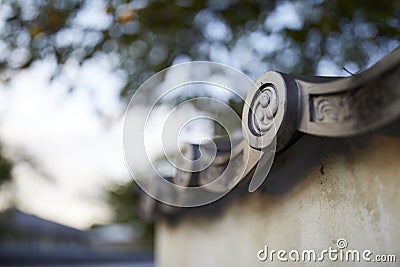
78	152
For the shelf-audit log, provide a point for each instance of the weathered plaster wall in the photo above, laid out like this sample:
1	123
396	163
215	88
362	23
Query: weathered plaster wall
352	195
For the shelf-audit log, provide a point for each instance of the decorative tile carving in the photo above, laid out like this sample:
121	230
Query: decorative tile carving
361	104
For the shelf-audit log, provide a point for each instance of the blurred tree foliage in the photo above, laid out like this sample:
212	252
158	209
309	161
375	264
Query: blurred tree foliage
5	167
141	37
124	200
145	36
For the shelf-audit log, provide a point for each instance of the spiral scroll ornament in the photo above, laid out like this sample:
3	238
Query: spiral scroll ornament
266	110
265	107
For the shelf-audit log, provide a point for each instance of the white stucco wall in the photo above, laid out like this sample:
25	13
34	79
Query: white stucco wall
357	198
